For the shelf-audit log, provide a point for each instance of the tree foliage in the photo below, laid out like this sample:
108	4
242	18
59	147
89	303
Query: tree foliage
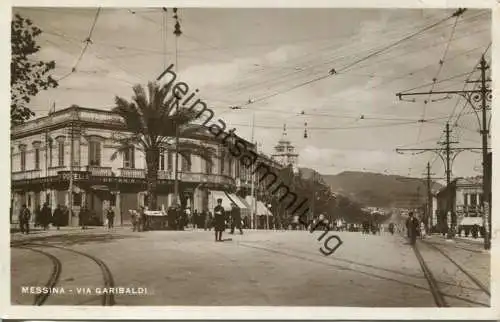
27	75
153	118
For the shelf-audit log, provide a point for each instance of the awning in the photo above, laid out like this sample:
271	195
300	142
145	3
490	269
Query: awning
471	221
234	198
262	209
216	194
240	202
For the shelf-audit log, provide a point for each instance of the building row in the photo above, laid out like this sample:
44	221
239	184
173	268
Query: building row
77	147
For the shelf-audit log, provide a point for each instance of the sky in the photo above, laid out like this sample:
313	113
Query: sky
271	58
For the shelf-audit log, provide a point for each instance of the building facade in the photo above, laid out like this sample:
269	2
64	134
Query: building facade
460	203
75	150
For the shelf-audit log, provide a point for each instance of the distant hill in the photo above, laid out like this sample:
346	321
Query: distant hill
376	189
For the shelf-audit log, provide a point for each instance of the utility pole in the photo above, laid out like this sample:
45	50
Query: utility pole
70	190
252	189
479	100
428	179
447	149
449	156
484	134
429	198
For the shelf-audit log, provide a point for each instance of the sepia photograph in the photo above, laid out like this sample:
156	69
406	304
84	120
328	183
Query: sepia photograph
229	157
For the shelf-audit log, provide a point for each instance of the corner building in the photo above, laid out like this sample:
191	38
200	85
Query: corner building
43	149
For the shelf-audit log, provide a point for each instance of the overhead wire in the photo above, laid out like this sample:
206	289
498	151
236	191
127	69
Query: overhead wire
87	41
349	65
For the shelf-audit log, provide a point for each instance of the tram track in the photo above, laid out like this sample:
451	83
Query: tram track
54	276
379	273
462	269
107	298
436	291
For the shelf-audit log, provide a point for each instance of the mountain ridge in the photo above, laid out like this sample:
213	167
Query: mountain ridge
377	189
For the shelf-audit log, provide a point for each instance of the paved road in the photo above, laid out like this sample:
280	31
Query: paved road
258	268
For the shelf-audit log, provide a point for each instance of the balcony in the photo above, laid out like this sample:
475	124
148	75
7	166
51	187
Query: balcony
26	175
206	178
100	171
166	175
132	173
469	209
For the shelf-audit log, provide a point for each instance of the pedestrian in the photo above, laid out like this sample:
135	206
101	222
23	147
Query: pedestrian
391	228
412	227
45	215
38	216
24	219
422	230
110	216
208	220
236	219
57	216
142	218
219	220
82	217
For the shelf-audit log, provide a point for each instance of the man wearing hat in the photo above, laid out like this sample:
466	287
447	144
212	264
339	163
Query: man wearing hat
219	220
412	228
236	219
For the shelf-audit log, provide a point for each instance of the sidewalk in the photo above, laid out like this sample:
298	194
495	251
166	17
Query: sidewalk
38	233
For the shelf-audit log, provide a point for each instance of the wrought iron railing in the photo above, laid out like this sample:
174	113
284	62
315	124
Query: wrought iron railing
132	173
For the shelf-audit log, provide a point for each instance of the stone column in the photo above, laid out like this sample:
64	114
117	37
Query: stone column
118	211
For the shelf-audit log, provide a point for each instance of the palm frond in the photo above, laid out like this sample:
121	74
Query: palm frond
204	152
125	143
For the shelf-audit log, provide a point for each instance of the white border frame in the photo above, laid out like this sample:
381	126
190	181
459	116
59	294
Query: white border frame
246	312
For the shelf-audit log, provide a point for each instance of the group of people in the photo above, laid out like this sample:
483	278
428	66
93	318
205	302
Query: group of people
43	217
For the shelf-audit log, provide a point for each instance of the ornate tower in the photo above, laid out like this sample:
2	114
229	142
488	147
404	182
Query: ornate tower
284	151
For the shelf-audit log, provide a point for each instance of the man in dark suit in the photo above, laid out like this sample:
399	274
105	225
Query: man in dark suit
24	220
219	220
412	227
236	219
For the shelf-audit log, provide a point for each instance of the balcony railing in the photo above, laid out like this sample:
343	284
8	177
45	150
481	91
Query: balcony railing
206	178
132	173
166	175
100	171
26	175
469	208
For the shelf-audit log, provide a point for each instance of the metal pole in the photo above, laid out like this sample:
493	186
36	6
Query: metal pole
252	189
70	192
429	198
484	134
448	179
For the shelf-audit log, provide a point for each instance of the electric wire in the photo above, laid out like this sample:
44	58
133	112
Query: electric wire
84	49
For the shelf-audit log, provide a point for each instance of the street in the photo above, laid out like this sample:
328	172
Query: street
258	268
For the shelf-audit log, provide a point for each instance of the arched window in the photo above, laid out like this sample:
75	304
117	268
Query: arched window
161	161
129	158
208	166
22	150
186	163
36	154
94	152
170	161
60	151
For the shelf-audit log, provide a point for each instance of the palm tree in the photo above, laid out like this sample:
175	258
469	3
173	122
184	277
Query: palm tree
154	120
